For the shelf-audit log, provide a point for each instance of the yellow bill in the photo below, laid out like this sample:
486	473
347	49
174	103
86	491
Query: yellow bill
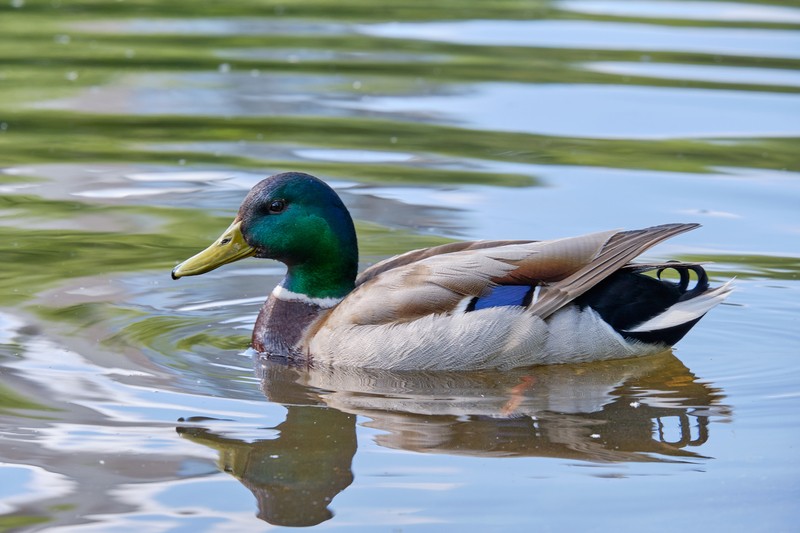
230	247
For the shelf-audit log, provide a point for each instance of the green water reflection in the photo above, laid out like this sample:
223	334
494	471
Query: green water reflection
63	57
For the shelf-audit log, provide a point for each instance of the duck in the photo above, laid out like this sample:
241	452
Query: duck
472	305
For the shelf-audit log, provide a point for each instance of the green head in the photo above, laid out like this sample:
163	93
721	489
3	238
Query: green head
298	220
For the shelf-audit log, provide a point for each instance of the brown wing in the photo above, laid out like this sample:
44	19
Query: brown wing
400	290
437	280
619	250
415	256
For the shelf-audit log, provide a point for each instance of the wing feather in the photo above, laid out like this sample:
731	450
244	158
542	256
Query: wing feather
404	290
620	249
415	256
436	280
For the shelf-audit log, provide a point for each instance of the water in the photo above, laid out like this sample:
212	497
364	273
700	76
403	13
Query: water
130	132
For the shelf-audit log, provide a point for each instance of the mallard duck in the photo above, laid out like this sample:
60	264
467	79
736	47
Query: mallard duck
458	306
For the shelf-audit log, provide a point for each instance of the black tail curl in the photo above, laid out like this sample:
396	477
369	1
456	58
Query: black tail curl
683	270
628	298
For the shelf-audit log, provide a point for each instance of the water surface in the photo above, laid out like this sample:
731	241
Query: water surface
130	132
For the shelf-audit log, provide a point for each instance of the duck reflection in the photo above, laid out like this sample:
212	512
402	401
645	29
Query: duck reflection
296	475
630	410
650	409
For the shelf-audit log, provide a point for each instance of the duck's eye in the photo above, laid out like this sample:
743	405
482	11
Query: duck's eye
277	206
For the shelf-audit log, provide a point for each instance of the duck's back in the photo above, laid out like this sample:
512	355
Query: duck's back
512	303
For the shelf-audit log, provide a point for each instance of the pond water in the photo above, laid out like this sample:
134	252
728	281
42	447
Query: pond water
130	132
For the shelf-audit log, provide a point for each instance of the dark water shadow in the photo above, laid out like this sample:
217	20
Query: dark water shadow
653	409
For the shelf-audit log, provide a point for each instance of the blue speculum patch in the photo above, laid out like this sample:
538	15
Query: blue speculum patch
500	296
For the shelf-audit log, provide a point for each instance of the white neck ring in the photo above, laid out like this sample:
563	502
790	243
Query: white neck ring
282	293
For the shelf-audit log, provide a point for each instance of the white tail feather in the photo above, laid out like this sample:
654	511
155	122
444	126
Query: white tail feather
686	311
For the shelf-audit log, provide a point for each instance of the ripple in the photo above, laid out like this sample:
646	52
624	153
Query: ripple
221	303
24	484
354	156
718	11
121	192
204	176
711	73
222	94
578	34
299	55
213	26
599	111
9	328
